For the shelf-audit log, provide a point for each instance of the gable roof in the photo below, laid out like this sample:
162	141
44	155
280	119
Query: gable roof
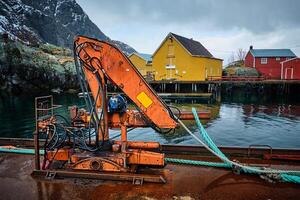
272	53
146	57
193	46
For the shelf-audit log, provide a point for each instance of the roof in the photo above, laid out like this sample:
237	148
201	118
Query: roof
147	57
272	53
193	47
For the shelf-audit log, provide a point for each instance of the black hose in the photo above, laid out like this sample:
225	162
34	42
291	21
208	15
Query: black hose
89	66
176	108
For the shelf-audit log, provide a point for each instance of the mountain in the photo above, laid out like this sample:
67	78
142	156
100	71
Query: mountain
49	21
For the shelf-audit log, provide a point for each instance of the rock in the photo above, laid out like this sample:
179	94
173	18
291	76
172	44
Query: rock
72	91
56	90
39	69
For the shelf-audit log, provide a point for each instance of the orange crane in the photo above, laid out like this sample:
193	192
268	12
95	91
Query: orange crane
85	144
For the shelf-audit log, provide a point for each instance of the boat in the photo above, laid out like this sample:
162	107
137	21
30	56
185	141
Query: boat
182	181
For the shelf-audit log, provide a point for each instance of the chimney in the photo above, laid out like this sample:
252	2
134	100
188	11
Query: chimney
251	47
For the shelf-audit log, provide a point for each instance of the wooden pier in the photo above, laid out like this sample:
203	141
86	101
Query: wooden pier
209	87
172	95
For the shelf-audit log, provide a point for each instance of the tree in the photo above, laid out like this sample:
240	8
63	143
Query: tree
231	59
240	55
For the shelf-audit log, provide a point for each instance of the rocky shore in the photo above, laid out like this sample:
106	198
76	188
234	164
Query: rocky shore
44	67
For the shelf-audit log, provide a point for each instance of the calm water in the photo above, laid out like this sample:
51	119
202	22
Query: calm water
237	121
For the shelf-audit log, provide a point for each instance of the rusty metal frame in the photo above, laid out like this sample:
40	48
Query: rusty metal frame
36	139
58	174
259	146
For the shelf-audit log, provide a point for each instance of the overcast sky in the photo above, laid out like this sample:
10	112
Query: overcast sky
221	26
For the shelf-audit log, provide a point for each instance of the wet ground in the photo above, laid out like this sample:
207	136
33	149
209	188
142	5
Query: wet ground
183	182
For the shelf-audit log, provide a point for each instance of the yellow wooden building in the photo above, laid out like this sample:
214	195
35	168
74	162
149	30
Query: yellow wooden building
143	62
182	59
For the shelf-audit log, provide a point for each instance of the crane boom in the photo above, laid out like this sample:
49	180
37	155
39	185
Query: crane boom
107	60
97	63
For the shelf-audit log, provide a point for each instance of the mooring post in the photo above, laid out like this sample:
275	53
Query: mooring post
36	138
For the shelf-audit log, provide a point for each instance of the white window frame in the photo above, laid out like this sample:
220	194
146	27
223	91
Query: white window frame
263	60
170	66
277	58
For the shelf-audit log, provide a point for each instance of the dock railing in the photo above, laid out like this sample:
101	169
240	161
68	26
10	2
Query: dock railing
236	78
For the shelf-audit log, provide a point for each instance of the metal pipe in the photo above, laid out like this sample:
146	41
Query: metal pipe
140	144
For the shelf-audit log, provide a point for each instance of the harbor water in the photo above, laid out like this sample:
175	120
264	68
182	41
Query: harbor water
238	120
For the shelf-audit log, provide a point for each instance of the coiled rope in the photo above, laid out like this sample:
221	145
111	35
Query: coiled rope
284	175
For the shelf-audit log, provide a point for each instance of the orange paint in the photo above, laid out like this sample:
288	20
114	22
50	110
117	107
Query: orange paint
121	72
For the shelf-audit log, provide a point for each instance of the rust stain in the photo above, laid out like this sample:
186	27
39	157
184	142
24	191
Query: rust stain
184	183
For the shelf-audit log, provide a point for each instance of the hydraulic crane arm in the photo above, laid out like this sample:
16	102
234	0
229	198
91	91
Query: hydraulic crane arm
96	63
104	60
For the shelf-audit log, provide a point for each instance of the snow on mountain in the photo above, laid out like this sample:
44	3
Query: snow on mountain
49	21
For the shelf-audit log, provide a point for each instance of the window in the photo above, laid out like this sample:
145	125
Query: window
170	61
170	50
263	60
277	59
170	67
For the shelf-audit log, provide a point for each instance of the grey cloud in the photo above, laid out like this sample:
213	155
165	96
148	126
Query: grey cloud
255	15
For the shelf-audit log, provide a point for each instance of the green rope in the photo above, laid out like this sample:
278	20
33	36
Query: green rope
20	151
197	162
290	178
208	141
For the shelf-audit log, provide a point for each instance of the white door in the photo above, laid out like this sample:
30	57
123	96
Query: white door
289	73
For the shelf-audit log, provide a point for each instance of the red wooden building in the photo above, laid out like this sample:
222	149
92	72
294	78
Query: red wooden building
290	69
268	61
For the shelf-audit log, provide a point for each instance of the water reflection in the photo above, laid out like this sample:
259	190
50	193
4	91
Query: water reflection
238	120
283	110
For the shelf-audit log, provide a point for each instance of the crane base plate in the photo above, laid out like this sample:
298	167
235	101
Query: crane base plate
137	179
